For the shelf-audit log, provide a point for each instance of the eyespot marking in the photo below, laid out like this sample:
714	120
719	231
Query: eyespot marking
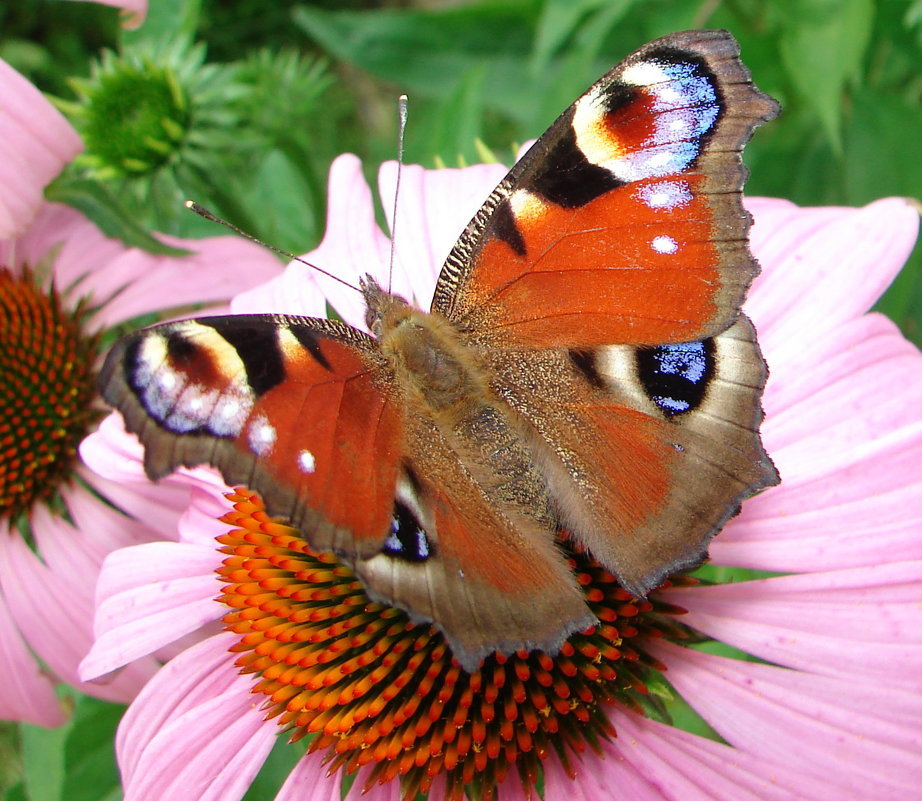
676	377
407	539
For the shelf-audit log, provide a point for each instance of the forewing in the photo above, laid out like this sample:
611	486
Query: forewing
299	409
624	222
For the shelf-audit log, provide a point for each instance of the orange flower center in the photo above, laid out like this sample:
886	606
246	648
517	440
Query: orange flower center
368	687
46	391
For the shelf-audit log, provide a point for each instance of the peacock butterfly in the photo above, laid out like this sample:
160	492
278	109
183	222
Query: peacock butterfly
584	370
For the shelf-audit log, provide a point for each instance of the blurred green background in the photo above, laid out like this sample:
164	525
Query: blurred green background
847	72
308	80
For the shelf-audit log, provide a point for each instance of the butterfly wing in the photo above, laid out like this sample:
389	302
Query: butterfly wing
623	223
602	282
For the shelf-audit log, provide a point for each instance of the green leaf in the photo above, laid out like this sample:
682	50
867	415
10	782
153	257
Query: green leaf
822	46
10	758
293	222
281	761
560	19
166	21
882	159
430	53
683	716
101	207
43	761
458	124
89	752
580	64
16	793
902	302
882	148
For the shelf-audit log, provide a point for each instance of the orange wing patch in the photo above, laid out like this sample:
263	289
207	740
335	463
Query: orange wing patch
341	437
587	279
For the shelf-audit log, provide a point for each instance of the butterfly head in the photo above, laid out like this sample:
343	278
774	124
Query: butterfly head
383	311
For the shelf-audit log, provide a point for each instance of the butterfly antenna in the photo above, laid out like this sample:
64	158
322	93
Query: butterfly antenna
203	212
401	128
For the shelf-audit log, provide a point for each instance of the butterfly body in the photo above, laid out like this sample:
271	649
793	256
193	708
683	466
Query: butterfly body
584	372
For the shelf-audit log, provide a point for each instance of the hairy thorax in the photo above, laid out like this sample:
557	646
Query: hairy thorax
446	386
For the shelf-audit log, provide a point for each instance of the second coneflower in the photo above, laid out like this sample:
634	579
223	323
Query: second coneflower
63	287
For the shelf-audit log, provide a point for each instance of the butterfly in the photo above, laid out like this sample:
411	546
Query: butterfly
584	371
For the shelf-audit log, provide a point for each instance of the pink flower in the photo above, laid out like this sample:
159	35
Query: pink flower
833	710
133	11
62	284
35	144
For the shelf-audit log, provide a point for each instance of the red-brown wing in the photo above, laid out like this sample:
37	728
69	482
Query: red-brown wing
301	410
624	222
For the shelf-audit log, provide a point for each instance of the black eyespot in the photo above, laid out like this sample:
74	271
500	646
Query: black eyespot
178	347
676	377
506	229
569	179
257	347
407	539
584	362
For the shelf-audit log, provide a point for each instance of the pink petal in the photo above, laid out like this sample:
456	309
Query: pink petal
201	523
595	777
820	453
26	692
147	597
106	527
195	732
849	450
846	517
434	207
308	781
77	245
511	789
856	623
778	222
54	610
377	792
216	269
35	144
849	384
70	552
817	277
652	762
867	734
117	461
142	499
296	291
